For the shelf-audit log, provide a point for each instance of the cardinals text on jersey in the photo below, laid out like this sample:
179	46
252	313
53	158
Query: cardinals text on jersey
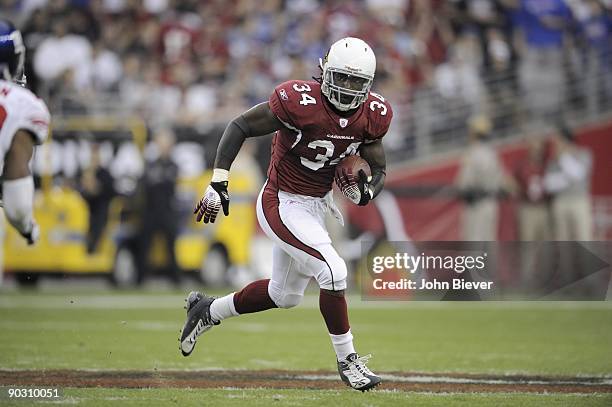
315	138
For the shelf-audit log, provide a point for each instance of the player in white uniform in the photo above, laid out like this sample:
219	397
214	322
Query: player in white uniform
24	123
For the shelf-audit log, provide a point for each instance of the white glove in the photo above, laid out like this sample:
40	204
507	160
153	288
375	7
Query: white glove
215	197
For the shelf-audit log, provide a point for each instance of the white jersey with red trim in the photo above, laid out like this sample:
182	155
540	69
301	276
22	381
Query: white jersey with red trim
20	109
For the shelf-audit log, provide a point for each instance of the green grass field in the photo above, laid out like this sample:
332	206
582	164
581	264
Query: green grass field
266	397
138	331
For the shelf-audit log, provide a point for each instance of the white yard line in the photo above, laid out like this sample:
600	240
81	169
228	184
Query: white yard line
465	380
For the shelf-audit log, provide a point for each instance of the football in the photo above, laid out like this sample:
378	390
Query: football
351	165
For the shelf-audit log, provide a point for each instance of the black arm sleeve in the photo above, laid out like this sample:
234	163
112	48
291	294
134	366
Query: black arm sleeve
378	181
374	154
255	122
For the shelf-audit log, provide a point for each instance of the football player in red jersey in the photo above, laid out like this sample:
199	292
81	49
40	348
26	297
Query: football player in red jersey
317	124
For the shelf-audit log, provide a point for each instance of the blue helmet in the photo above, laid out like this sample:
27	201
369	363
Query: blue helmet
12	53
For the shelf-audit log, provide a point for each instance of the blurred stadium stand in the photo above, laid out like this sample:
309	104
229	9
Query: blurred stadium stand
195	64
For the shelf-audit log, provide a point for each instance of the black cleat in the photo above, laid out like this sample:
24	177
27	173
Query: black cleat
354	373
192	299
198	321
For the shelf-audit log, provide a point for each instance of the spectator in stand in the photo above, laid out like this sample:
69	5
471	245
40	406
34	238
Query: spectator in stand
543	24
568	181
595	32
458	80
390	11
34	32
105	68
501	86
479	17
63	51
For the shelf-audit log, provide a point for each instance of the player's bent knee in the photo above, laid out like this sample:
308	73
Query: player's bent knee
282	299
334	274
288	301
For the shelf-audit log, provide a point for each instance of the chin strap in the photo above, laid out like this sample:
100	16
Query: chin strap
22	81
6	75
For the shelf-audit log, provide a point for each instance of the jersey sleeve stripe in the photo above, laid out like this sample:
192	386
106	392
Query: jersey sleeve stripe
39	122
298	137
287	125
291	125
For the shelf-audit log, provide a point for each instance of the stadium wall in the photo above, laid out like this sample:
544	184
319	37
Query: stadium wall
430	212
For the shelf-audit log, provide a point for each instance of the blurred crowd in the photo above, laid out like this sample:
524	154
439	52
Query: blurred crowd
190	62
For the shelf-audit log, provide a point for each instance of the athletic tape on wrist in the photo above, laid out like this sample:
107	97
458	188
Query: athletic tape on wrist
220	175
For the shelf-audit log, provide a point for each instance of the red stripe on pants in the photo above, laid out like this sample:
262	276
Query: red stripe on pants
270	204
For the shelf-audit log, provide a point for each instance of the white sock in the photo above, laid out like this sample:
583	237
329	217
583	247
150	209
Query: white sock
343	344
223	308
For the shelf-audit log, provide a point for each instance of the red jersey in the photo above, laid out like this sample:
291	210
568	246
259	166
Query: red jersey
315	138
530	178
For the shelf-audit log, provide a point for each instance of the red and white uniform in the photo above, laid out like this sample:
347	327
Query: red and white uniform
292	205
305	153
20	109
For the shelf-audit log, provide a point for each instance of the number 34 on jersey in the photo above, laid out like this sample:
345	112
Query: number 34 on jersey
316	137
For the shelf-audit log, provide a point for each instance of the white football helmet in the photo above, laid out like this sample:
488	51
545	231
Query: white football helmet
348	72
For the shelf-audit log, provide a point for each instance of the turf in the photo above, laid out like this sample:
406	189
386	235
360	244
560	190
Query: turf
450	337
266	397
136	331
